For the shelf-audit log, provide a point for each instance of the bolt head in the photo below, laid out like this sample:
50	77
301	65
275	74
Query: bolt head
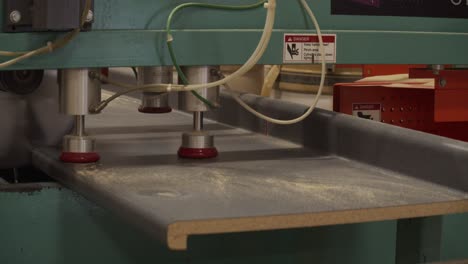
442	82
15	16
90	16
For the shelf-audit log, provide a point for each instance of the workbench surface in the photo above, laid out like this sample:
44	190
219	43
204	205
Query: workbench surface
257	183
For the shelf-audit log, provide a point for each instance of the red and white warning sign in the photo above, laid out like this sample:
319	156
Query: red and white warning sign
368	111
304	48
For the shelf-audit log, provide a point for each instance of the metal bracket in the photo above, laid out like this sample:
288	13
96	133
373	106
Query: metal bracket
45	15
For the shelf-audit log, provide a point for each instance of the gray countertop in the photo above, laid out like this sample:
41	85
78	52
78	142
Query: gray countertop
257	182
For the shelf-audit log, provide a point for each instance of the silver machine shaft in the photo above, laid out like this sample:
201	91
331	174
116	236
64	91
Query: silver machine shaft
77	94
198	144
154	103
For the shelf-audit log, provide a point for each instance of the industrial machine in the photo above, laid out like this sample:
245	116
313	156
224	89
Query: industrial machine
193	172
428	100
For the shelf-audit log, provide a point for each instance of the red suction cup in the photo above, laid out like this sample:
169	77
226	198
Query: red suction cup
194	153
155	110
82	158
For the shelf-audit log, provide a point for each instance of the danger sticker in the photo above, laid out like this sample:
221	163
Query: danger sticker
368	111
305	49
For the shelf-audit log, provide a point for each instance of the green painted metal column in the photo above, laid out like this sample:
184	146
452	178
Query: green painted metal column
454	238
419	240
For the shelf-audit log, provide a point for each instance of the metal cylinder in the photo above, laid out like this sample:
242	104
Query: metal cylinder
78	92
199	75
436	68
78	144
152	75
197	140
154	100
198	121
79	126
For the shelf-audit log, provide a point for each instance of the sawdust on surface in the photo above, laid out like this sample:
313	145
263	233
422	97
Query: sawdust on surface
342	187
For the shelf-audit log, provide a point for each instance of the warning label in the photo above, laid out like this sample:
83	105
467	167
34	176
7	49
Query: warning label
368	111
304	49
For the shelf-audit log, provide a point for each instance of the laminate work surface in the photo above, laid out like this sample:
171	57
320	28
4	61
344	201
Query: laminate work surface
257	183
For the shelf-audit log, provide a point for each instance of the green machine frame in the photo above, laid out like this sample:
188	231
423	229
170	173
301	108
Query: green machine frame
47	224
43	223
131	33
